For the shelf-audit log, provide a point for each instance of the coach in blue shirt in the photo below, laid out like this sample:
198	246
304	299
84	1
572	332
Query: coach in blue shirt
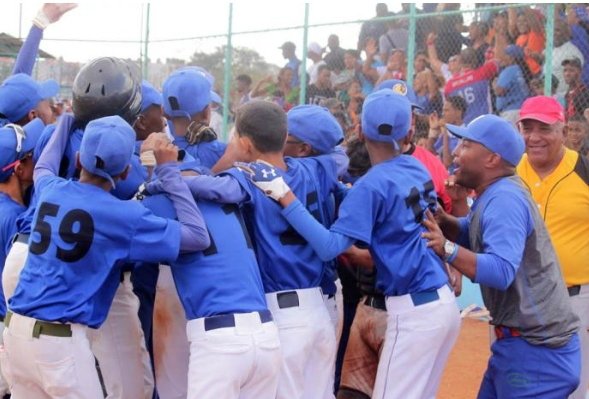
505	247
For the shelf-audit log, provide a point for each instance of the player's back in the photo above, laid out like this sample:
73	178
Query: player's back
224	278
395	194
286	260
80	234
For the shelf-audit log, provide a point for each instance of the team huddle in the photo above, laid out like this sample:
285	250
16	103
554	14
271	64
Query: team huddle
123	236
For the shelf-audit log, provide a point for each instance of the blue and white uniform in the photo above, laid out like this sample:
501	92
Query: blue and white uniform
221	292
385	211
291	271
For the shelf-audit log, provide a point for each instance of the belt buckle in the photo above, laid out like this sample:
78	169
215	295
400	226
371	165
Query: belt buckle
288	299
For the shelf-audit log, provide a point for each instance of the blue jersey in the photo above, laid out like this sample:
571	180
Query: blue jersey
9	211
511	79
206	154
225	277
125	189
385	209
473	86
286	261
80	237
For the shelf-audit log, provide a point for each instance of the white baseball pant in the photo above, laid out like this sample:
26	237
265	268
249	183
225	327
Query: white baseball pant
418	341
308	344
171	350
15	261
48	367
240	362
580	304
119	347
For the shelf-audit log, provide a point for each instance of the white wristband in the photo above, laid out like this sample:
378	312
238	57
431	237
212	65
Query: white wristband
148	159
41	21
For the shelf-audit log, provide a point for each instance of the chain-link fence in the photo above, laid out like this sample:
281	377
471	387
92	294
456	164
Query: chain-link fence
461	62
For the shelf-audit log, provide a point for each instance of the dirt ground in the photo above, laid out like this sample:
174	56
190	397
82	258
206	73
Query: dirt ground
467	363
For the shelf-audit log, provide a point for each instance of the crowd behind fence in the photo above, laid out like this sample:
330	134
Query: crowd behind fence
493	57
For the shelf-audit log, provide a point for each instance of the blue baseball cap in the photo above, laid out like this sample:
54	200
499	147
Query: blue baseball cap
149	96
20	93
16	142
514	51
315	126
494	133
400	87
215	97
107	146
186	92
386	116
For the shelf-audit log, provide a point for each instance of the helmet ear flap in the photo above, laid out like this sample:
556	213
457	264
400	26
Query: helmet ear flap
107	86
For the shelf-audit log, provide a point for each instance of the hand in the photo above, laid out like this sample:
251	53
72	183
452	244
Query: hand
434	121
165	152
454	190
434	236
455	280
266	177
149	143
51	12
370	48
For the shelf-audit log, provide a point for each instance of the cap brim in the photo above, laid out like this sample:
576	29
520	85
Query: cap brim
33	130
215	98
48	89
458	131
539	117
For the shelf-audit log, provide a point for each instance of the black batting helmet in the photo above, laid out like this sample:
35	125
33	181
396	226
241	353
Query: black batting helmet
107	86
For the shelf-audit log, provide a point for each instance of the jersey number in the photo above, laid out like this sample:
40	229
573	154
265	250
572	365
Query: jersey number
467	94
76	228
413	201
227	209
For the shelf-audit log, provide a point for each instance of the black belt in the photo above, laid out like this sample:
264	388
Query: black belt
288	299
376	302
574	290
45	328
228	320
20	237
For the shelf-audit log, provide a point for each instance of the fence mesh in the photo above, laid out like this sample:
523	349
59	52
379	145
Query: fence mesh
462	63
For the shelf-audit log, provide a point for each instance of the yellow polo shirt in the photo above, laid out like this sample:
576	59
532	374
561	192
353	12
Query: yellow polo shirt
563	202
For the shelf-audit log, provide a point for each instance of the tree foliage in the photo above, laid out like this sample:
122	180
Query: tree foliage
244	60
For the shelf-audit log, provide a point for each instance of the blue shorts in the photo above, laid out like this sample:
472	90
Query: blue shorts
518	369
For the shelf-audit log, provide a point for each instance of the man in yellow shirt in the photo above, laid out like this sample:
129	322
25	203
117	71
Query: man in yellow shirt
558	179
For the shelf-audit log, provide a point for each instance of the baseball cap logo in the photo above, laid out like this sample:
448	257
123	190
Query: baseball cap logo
400	88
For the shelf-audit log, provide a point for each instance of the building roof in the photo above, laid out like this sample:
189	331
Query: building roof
10	45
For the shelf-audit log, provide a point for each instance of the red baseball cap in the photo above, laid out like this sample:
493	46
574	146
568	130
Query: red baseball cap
542	108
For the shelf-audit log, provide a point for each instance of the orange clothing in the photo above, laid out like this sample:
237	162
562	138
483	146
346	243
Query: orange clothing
532	42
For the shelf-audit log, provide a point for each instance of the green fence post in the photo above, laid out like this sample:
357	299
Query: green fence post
146	46
411	44
227	73
303	68
548	51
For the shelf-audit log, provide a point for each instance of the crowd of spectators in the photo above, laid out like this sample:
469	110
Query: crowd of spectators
493	65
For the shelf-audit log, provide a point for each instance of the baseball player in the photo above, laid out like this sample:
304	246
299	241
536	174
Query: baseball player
16	176
103	87
314	131
290	270
503	245
234	344
385	212
189	121
81	234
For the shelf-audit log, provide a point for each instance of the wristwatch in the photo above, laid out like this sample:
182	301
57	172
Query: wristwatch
450	251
